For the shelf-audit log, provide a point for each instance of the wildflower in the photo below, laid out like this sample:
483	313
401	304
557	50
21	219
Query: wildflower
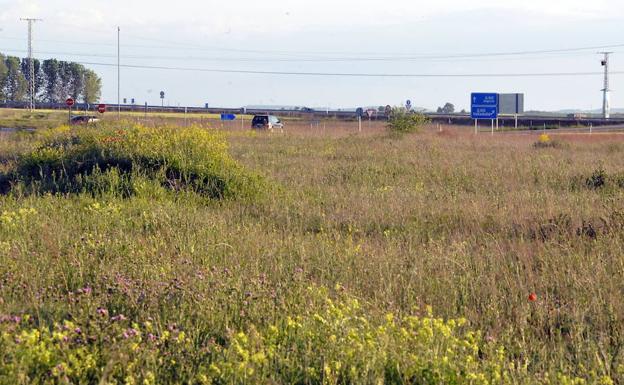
58	370
101	311
119	317
131	332
85	290
78	330
151	337
544	138
532	297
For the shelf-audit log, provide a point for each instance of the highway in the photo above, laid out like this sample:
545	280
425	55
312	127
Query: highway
533	122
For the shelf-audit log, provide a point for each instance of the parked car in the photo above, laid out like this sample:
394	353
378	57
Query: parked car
266	122
84	119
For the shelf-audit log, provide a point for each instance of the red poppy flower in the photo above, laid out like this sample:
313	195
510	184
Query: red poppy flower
532	297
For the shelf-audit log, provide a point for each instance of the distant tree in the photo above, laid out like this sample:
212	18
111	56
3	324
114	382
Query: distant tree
50	70
381	109
39	78
15	85
4	72
92	87
463	111
448	108
65	86
76	73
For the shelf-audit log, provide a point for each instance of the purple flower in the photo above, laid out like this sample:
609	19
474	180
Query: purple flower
119	317
78	331
85	290
101	311
151	337
128	333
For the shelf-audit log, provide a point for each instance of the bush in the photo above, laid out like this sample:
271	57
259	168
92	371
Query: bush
544	141
108	160
403	121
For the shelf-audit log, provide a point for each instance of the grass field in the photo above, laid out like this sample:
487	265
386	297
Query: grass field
364	258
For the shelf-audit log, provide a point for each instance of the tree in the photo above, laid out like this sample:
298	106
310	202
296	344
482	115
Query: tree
76	73
39	78
50	69
92	87
15	86
448	108
4	72
65	86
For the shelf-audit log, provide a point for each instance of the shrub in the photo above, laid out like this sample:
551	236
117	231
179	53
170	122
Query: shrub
403	121
85	160
544	141
597	180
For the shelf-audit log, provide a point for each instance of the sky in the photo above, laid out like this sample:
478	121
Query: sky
197	47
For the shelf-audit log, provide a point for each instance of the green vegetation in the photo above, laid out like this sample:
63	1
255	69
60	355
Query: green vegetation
374	259
402	121
126	161
55	80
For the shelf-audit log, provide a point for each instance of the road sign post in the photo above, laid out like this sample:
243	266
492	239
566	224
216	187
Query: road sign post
70	102
484	106
359	112
370	113
408	104
101	108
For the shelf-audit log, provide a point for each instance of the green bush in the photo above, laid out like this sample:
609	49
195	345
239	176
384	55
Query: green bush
108	160
403	121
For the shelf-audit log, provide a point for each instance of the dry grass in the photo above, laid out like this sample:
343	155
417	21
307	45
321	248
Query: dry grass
469	225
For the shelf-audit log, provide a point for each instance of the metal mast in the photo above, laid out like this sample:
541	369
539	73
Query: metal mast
31	64
606	107
118	76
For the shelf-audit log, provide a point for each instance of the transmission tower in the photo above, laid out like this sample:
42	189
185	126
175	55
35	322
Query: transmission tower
31	63
606	107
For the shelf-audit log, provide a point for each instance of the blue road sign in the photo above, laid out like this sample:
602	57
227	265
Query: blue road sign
484	106
359	112
484	112
408	104
228	117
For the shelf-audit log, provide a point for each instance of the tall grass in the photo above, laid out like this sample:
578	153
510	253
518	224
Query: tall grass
467	226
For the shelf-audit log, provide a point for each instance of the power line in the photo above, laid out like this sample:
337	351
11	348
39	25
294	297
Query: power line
351	74
388	57
270	60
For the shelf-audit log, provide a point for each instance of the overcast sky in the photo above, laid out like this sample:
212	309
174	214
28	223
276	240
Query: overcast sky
339	37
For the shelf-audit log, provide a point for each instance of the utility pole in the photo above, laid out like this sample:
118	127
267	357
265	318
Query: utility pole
118	77
31	63
606	107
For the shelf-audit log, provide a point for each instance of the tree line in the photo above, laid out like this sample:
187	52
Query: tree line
55	80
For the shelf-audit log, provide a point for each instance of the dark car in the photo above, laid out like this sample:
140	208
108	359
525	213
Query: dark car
83	119
266	122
